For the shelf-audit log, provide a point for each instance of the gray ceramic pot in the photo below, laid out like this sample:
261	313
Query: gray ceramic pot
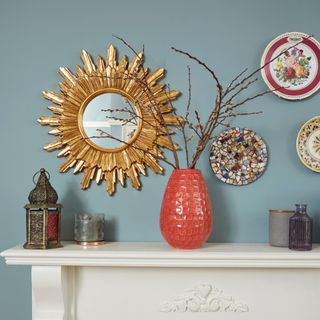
279	227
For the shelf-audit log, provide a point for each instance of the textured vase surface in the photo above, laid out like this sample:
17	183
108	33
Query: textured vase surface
300	229
186	213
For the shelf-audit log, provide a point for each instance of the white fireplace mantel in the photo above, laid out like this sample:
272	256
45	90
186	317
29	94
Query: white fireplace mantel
129	254
153	281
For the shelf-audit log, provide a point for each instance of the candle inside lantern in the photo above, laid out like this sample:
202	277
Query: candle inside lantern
89	228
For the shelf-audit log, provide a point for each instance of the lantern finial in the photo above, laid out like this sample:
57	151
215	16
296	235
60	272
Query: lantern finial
43	193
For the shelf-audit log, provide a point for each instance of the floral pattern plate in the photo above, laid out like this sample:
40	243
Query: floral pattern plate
308	144
238	156
296	73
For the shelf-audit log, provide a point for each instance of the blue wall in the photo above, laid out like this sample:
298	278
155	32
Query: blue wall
39	36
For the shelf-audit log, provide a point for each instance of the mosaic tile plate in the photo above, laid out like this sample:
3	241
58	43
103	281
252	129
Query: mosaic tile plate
238	156
295	73
308	144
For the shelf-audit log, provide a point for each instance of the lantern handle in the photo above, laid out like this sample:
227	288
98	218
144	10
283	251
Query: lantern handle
41	170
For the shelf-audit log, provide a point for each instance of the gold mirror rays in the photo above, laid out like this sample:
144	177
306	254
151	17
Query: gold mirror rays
131	80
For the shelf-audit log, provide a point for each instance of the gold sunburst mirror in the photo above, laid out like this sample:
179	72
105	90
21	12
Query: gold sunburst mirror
107	115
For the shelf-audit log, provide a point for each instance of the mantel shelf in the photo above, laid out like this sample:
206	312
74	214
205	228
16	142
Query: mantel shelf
124	254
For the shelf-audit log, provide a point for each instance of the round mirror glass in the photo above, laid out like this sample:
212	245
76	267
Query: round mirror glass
110	120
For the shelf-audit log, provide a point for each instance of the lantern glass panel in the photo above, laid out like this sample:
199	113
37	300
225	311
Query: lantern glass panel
53	224
36	226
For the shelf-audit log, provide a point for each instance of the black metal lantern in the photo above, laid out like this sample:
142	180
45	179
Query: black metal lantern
43	215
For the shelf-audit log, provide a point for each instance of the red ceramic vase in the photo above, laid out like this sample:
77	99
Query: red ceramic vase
186	213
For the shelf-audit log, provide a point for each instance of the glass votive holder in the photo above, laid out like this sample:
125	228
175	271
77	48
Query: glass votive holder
89	229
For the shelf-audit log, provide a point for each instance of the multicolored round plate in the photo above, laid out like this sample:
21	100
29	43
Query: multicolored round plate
296	72
308	144
238	156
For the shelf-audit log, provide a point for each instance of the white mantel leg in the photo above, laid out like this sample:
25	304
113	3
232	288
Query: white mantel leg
52	289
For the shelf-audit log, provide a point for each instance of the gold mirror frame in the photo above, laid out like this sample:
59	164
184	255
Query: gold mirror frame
142	89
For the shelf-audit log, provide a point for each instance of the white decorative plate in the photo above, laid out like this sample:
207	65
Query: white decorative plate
308	144
295	73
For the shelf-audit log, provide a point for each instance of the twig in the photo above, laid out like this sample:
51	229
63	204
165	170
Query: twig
107	135
246	86
129	46
201	63
236	78
265	65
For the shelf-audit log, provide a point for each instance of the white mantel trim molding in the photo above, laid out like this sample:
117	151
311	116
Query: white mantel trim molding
122	254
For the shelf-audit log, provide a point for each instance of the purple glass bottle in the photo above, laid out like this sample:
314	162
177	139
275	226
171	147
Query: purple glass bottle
300	229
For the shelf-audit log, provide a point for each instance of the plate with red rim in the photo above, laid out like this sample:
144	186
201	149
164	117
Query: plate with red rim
295	74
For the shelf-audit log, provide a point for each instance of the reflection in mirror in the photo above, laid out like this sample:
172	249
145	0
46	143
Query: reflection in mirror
109	119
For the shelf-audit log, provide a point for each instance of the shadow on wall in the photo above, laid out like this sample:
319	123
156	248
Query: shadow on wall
110	229
316	226
221	213
73	204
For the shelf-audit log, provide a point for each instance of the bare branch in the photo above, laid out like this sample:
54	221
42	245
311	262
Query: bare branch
189	92
244	87
129	46
253	97
104	134
236	78
201	63
263	66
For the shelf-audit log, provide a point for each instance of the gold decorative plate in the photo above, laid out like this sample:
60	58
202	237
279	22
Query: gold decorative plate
82	107
308	144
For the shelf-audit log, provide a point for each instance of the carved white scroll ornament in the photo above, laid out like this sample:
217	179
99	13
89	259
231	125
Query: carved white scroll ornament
204	298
